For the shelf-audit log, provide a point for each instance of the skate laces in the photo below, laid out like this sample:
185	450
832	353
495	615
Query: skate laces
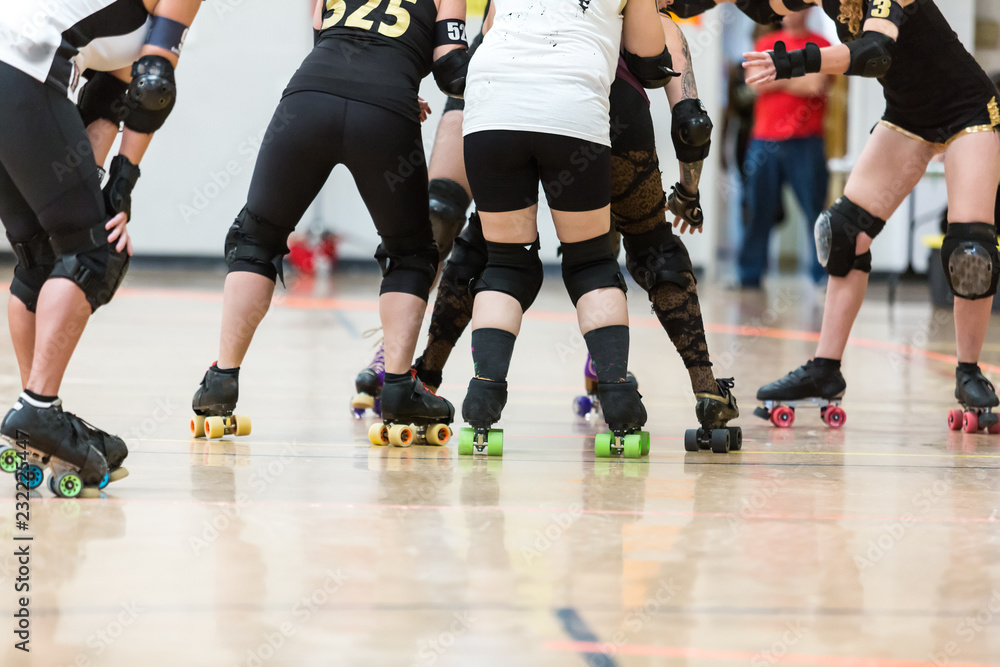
413	374
726	384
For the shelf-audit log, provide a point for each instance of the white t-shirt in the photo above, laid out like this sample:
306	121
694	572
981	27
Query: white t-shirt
546	66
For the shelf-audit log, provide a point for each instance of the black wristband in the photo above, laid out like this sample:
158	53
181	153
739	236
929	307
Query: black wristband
450	31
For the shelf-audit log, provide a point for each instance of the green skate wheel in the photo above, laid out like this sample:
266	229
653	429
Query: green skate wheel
633	446
691	440
494	443
602	445
645	442
68	485
466	438
10	460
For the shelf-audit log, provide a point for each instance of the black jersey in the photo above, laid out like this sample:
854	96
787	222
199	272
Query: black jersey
933	80
374	51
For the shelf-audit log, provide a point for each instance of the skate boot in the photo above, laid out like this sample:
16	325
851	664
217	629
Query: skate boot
484	403
214	403
714	411
806	385
588	405
978	398
50	438
112	447
368	385
412	413
625	415
431	379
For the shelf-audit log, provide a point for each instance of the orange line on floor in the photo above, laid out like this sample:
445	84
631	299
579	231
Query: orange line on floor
739	656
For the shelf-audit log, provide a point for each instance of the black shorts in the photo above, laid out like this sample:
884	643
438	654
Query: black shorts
983	116
504	167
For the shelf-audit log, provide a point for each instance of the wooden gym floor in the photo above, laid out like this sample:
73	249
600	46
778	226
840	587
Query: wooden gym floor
874	546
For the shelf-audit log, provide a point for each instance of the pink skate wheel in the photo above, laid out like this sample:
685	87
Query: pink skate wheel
994	430
783	416
955	420
970	424
835	417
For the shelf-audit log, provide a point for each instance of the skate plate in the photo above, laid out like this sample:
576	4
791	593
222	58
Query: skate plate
782	413
631	445
719	440
974	420
404	435
480	442
217	426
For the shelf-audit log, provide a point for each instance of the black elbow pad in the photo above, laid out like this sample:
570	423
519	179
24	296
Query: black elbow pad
652	72
871	54
102	97
450	71
686	9
759	11
691	131
151	95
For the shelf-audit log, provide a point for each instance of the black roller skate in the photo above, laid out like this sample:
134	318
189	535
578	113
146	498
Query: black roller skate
806	385
412	413
368	385
484	403
978	398
714	411
112	447
50	437
213	405
625	415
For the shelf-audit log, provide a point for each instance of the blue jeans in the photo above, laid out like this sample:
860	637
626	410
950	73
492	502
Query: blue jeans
800	163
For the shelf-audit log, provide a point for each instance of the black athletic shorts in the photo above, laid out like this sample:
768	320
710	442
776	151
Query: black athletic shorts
504	167
982	116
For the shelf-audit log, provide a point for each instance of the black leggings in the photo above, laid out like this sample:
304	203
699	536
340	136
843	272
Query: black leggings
313	132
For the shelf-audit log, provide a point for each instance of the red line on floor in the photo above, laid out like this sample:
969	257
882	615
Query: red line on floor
739	656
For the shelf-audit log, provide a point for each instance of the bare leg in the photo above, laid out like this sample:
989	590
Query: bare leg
972	170
402	315
889	168
22	334
61	316
245	301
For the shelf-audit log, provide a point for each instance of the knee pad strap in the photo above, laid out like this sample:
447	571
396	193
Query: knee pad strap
91	262
971	260
837	232
590	265
513	269
256	246
35	260
656	257
408	265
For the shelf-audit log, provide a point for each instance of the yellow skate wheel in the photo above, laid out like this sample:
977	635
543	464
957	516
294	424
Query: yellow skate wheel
363	402
215	427
242	424
401	435
198	426
438	434
378	434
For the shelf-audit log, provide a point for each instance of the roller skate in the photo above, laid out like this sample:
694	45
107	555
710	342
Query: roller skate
213	405
714	411
625	415
978	398
368	385
412	413
484	403
806	385
588	405
51	438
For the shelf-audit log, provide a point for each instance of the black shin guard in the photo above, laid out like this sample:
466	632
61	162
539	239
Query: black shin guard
608	347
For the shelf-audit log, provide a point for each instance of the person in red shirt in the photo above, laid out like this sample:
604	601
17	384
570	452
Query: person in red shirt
786	147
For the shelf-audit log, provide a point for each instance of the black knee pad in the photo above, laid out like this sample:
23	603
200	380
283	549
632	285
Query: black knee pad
514	269
837	233
971	260
448	203
408	265
656	257
91	262
468	259
590	265
35	260
256	246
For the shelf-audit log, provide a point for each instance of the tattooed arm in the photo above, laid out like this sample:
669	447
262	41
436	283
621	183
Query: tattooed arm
680	88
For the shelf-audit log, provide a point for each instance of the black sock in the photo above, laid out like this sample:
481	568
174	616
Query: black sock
397	377
227	371
39	398
968	368
825	364
609	351
491	353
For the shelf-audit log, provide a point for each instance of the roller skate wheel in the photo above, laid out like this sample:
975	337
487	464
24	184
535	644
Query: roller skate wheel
358	414
762	412
720	441
363	402
582	406
66	485
633	446
378	434
32	476
400	435
783	416
10	460
602	445
955	420
438	434
691	440
466	440
834	416
645	442
735	438
970	422
994	429
241	424
494	443
198	426
215	427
